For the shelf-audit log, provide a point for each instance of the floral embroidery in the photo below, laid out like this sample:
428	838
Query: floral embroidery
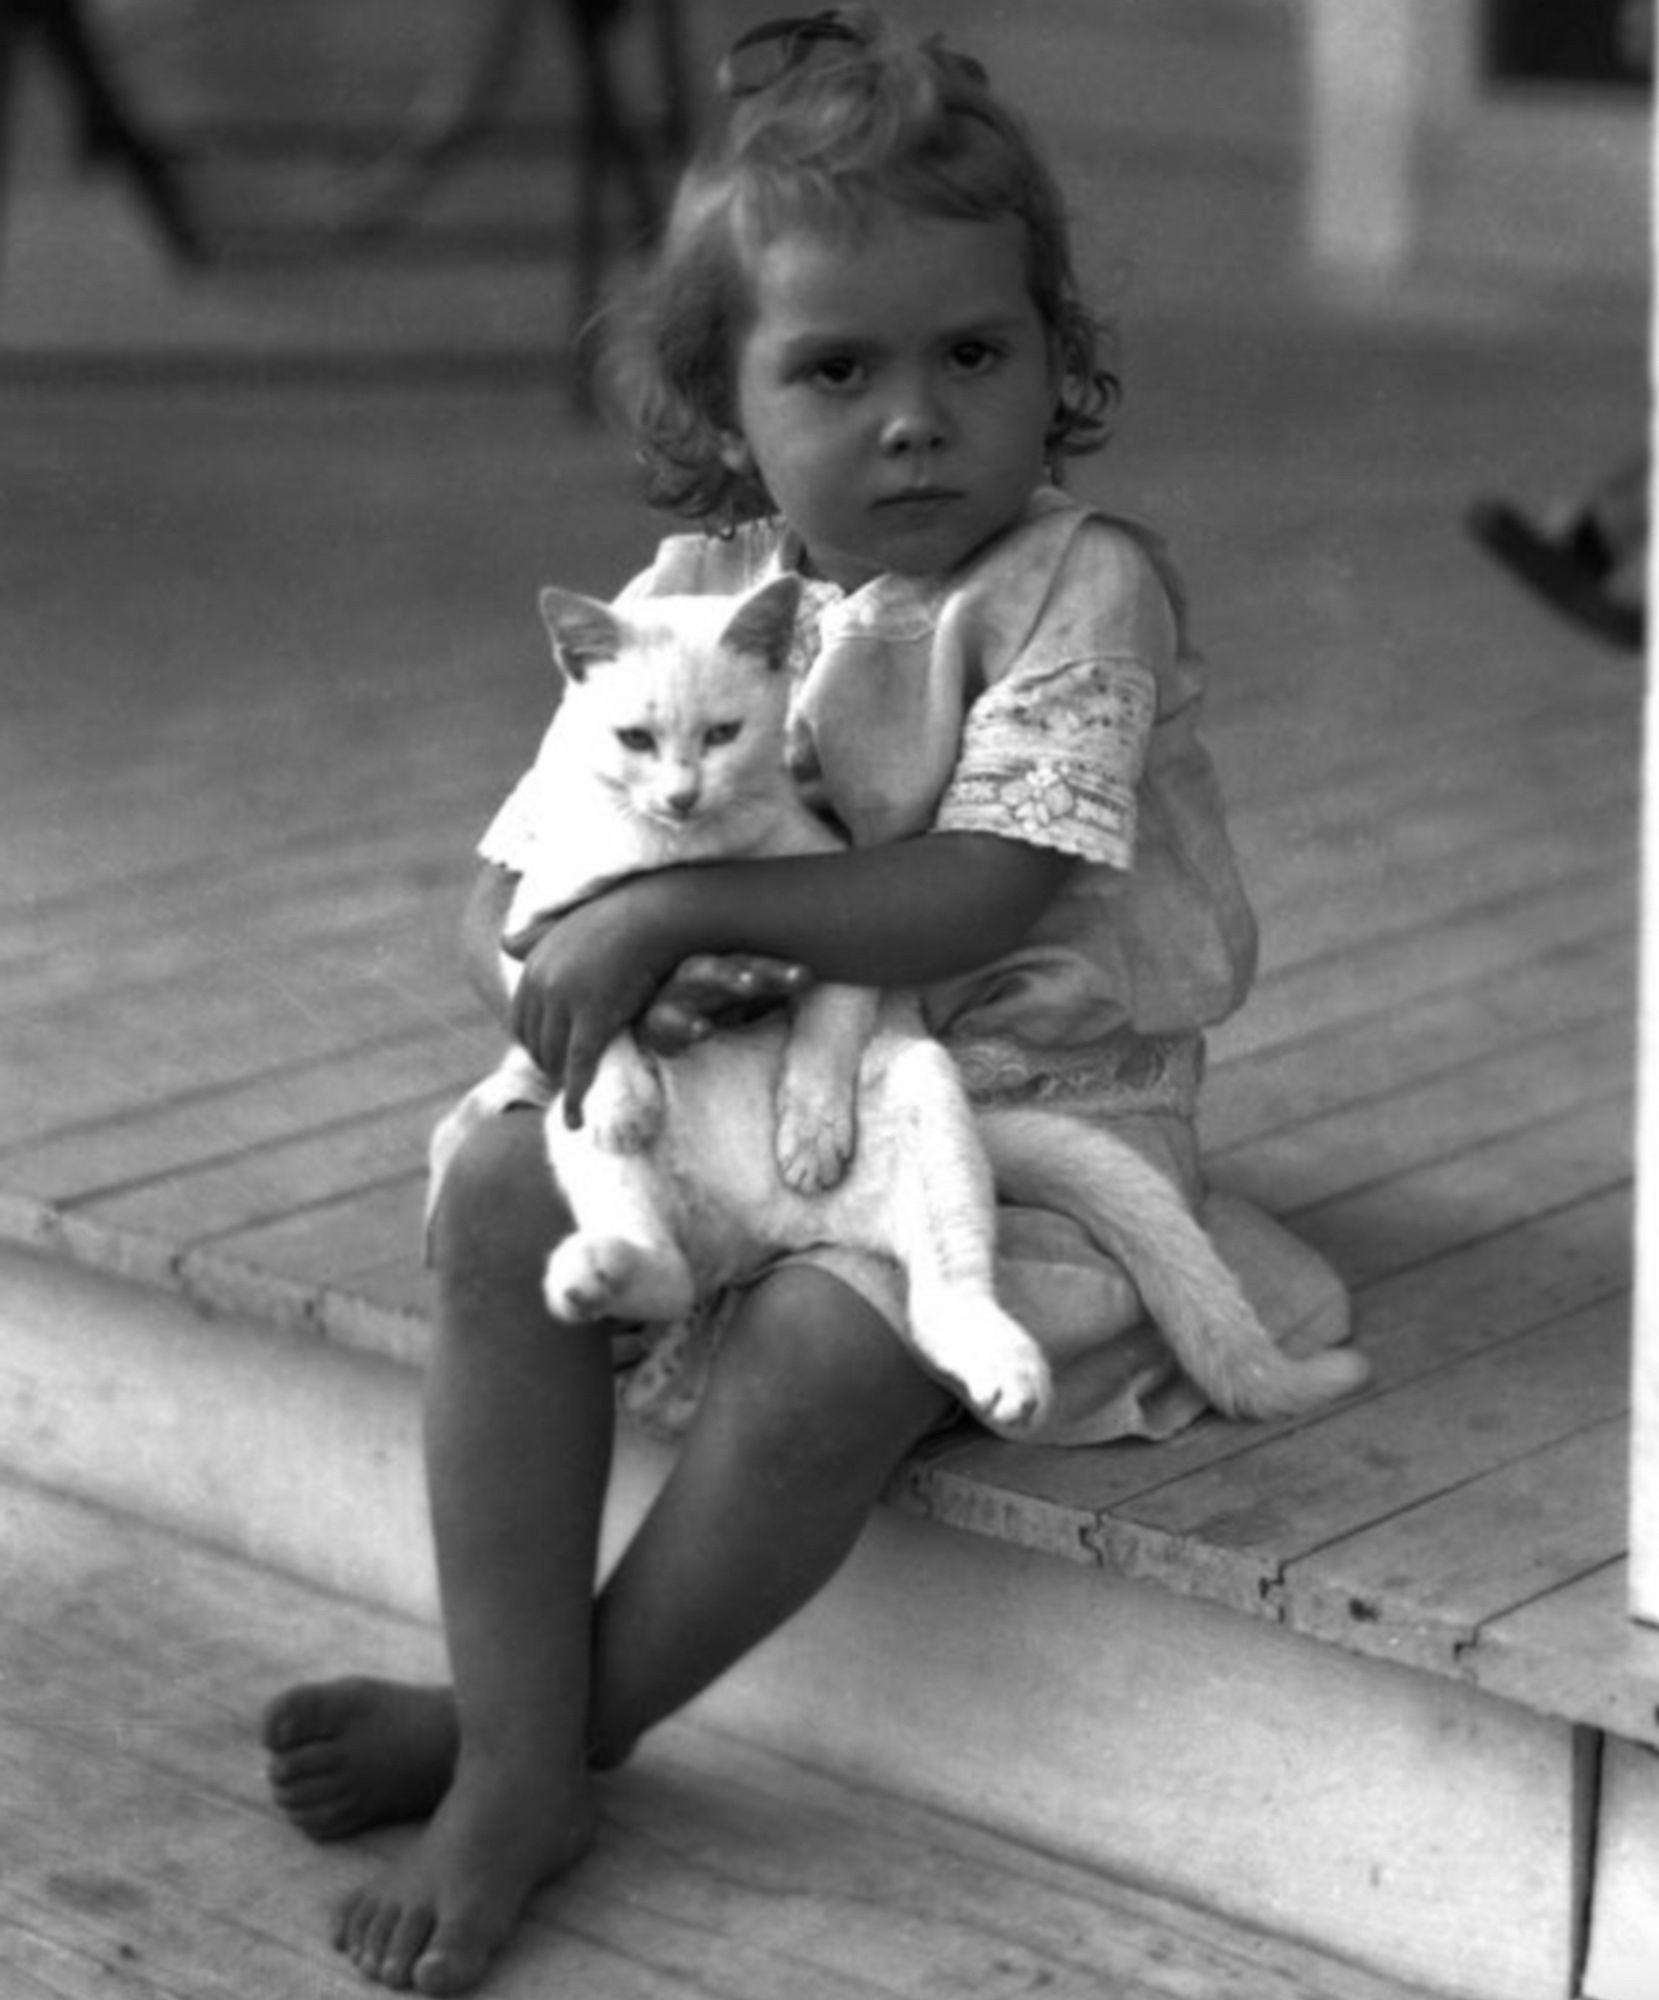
1055	758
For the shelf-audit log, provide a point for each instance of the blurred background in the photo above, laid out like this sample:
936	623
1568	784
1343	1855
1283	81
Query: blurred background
402	177
290	430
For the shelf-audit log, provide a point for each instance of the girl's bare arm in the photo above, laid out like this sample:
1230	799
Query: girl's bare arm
900	915
700	993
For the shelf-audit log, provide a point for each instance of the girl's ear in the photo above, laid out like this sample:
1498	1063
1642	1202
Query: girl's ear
735	454
584	632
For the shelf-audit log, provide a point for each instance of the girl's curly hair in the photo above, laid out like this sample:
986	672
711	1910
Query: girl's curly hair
861	119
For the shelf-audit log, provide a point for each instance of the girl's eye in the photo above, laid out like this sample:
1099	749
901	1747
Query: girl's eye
974	357
837	371
636	739
721	733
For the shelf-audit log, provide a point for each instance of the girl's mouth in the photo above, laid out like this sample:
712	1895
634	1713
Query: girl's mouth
921	499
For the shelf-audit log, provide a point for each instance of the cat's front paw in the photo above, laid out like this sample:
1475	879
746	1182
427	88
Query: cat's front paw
815	1139
624	1108
1003	1374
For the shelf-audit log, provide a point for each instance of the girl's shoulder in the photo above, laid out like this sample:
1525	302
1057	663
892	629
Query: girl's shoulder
1069	545
1070	581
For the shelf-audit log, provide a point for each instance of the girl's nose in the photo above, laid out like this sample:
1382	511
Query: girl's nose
915	423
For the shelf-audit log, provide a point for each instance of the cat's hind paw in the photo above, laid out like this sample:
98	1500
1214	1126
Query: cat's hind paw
1003	1375
607	1277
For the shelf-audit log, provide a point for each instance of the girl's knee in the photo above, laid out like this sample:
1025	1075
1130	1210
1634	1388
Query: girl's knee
819	1382
498	1210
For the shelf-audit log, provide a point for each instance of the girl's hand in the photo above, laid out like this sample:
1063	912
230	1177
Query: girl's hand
588	976
709	992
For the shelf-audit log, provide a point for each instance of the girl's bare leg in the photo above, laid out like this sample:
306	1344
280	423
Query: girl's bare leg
518	1434
811	1406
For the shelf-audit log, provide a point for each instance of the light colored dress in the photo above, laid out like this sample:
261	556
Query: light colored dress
1042	692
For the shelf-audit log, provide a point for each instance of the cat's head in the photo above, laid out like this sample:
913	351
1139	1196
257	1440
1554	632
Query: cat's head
677	704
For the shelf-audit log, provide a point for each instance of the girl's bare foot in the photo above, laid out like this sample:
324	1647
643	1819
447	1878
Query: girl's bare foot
437	1918
348	1755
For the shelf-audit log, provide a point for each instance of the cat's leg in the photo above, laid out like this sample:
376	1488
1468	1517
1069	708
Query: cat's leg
941	1210
817	1127
624	1107
622	1261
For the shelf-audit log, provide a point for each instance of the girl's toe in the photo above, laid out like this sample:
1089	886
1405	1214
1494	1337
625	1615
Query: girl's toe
455	1960
308	1762
402	1946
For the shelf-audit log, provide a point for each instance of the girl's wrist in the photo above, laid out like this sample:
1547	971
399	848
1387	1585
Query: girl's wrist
662	915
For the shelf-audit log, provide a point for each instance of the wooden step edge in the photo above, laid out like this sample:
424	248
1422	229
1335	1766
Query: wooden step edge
1122	1723
214	1282
1541	1669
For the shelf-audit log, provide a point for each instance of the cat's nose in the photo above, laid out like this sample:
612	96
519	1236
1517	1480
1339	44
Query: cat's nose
682	802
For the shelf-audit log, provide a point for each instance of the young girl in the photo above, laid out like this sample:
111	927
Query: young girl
861	353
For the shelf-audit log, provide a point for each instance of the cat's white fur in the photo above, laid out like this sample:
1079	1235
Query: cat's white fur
844	1122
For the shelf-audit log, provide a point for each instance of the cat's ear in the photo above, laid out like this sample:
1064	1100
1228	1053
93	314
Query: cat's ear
585	633
764	622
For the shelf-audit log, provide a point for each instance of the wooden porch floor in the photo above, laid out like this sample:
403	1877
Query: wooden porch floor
140	1853
270	656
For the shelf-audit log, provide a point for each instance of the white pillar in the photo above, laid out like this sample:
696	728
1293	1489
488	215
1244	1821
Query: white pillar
1644	1449
1365	82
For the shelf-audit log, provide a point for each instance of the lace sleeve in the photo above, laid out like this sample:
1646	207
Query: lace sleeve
1054	756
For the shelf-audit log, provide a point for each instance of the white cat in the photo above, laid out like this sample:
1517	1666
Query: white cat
840	1122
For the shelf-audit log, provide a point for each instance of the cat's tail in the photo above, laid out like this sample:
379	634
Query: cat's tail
1136	1213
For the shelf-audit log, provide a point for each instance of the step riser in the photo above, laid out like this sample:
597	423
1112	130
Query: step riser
1410	1824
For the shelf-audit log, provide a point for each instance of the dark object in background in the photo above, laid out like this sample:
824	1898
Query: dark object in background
1570	41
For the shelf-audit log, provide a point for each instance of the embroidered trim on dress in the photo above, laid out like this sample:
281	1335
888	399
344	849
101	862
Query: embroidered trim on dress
1123	1076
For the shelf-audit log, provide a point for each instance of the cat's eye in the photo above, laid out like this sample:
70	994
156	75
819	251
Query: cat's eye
636	739
720	734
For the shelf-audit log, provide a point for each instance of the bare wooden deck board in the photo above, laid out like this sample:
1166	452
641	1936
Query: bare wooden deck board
138	1850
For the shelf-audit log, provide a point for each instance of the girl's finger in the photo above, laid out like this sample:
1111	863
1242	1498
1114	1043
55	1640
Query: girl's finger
668	1028
581	1063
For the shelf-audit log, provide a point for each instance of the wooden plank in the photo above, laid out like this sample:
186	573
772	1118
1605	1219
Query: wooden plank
137	1841
1355	984
1446	778
1326	1068
1418	1586
1275	726
190	1129
1389	891
234	1021
1407	1218
363	1228
1368	1139
285	1179
1575	1651
1624	1912
213	921
1232	1528
1449	1308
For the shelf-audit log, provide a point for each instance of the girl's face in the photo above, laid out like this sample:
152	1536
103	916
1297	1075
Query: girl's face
894	390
